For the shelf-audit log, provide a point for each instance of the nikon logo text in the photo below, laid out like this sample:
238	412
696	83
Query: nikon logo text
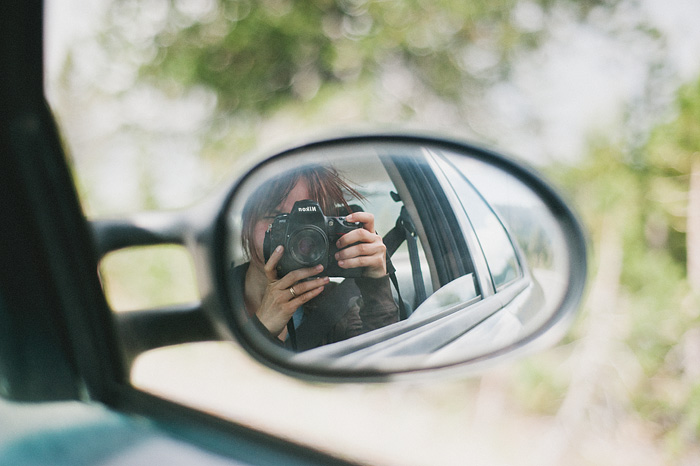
307	209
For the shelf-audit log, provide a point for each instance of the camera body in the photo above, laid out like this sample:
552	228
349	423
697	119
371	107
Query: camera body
308	238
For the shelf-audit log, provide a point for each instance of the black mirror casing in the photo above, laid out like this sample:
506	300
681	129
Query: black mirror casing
335	361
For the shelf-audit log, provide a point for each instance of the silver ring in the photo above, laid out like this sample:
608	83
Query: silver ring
291	290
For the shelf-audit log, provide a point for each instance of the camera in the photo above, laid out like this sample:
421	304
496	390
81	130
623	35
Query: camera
308	238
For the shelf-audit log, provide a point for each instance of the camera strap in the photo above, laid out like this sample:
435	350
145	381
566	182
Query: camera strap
391	271
292	334
405	230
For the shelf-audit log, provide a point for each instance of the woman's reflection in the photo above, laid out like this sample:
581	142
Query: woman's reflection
285	287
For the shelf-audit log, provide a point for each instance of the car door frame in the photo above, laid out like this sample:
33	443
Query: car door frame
59	342
436	210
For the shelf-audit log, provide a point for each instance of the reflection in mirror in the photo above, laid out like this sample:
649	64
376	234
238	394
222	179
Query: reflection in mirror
391	256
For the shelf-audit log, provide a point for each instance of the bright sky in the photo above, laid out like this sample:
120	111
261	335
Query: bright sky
580	81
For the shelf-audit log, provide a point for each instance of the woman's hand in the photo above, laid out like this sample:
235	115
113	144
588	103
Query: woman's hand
284	296
369	252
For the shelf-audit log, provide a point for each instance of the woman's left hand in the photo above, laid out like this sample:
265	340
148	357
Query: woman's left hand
369	252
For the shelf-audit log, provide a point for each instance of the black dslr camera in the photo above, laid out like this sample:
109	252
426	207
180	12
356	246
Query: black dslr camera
308	238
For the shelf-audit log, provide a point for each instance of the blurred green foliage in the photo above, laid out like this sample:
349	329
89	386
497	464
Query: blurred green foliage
258	56
643	199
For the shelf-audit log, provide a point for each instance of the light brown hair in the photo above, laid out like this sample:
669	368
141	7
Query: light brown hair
326	187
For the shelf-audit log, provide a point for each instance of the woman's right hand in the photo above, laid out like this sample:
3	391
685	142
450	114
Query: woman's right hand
283	296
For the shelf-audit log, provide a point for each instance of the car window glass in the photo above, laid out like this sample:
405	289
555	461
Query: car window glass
529	224
495	243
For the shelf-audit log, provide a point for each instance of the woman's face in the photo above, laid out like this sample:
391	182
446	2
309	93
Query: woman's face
298	193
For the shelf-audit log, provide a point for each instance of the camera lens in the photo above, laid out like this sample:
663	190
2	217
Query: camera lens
308	245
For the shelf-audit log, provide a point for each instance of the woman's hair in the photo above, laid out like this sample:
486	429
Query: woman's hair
326	187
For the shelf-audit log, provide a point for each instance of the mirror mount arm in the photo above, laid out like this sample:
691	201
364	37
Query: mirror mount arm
145	330
149	229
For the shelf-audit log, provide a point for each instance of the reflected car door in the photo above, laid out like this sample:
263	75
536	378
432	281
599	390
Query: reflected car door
434	218
454	256
475	256
502	268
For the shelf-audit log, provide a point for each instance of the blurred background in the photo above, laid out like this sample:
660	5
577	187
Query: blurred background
160	102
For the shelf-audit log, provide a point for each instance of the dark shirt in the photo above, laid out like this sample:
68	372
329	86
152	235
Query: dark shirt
341	311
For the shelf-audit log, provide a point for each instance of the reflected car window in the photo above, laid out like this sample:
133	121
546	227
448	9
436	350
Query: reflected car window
493	239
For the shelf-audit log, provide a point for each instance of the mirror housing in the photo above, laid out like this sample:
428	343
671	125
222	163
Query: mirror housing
462	314
485	262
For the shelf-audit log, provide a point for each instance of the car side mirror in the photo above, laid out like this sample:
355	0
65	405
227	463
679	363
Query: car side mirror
432	254
484	260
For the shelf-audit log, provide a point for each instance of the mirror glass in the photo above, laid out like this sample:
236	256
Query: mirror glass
388	255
